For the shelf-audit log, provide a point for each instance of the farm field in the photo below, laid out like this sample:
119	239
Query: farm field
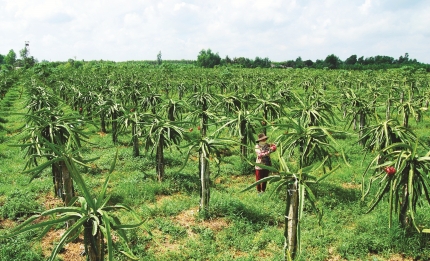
178	147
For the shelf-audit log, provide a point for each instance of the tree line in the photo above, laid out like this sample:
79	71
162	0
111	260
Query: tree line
208	59
10	60
356	63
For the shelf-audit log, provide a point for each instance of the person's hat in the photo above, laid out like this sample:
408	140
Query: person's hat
261	137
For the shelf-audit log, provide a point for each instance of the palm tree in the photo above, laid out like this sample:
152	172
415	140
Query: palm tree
203	103
392	90
240	121
242	124
46	125
314	110
359	107
383	134
409	108
132	88
150	102
210	146
173	110
270	108
312	143
92	217
110	107
405	184
134	119
162	134
286	94
314	148
40	98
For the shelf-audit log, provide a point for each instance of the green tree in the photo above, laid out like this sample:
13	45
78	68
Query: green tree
23	53
10	58
159	60
208	59
404	59
382	59
332	61
308	63
243	62
299	62
262	63
351	60
226	61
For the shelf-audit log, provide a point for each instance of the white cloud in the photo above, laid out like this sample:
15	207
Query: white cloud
364	8
132	20
49	40
278	29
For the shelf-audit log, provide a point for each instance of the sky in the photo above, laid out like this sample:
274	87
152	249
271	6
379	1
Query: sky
281	30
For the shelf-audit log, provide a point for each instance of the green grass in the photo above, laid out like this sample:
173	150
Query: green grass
240	225
20	248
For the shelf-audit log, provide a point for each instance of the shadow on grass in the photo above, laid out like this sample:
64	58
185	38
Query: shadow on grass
2	121
173	161
235	209
184	182
116	199
332	195
145	187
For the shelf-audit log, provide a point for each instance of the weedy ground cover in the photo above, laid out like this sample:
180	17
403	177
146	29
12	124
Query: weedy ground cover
240	225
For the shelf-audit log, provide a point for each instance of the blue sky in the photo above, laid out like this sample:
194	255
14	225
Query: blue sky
281	30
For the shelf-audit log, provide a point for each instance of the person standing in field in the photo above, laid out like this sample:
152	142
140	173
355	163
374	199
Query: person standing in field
263	150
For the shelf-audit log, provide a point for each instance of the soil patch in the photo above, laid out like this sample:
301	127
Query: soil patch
350	185
50	202
7	224
73	251
188	219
